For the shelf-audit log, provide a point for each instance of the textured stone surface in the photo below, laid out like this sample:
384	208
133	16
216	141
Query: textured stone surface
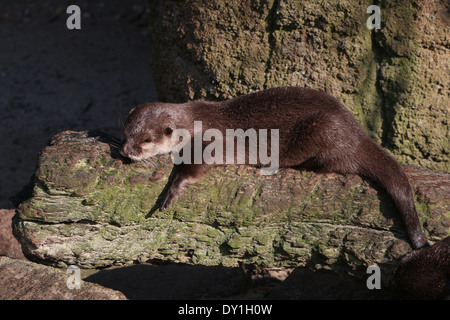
395	80
9	246
25	280
90	209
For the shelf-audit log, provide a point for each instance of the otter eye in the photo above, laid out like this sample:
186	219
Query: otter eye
168	131
148	140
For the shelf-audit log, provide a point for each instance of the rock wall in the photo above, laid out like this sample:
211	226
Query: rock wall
395	79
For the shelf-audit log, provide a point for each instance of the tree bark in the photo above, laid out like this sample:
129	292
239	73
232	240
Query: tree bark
88	207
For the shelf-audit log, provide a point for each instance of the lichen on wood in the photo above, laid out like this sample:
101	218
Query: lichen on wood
90	208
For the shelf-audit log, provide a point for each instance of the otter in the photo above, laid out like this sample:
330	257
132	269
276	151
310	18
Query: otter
425	273
315	130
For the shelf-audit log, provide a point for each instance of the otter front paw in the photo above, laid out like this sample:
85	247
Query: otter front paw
168	199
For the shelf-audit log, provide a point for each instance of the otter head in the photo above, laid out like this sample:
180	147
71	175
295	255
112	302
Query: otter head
148	132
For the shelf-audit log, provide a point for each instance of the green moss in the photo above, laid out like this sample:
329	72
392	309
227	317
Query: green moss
366	99
109	232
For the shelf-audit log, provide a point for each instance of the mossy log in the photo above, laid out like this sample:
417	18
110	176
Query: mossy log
88	207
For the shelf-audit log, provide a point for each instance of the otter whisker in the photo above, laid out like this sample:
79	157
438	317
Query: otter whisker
120	123
145	164
115	139
115	142
148	161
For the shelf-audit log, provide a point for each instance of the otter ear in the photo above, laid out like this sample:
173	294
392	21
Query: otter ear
168	131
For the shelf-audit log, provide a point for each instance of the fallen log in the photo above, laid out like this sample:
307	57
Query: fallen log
87	207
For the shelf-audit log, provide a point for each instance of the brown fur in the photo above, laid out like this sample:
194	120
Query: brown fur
315	131
425	273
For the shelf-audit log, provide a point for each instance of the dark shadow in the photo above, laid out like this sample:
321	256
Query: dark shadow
173	281
325	285
389	210
162	195
24	194
187	282
55	79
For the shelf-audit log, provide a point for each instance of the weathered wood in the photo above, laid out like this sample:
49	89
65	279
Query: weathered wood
91	209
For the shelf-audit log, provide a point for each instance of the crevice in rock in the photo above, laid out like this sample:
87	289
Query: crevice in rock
393	73
271	21
380	55
385	112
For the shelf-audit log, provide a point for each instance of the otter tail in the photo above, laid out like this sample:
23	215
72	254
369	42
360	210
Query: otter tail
382	168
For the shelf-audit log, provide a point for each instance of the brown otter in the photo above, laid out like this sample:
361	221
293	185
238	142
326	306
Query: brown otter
315	132
425	273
